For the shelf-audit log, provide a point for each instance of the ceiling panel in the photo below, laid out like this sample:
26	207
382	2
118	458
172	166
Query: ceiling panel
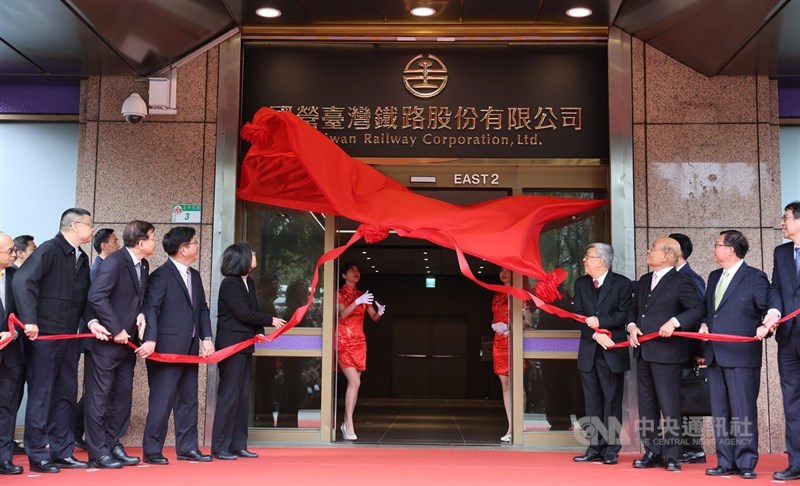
13	63
47	33
150	34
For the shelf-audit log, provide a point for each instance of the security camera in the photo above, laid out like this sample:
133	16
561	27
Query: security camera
134	109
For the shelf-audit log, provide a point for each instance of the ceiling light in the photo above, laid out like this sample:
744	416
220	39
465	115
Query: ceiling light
422	11
369	258
424	252
363	252
579	12
425	259
268	12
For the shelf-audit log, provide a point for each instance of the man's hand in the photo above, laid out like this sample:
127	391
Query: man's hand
604	340
99	331
592	322
770	320
32	331
703	330
146	349
633	336
141	325
667	329
122	337
279	323
762	332
206	348
3	336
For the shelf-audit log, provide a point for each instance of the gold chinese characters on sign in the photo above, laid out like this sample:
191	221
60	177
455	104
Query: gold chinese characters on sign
425	76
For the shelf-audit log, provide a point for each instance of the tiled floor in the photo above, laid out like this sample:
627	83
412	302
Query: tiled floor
429	421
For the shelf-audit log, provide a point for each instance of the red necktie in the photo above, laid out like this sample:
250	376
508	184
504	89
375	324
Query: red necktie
596	284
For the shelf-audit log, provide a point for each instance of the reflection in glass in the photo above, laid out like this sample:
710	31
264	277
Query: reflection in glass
288	244
286	392
553	394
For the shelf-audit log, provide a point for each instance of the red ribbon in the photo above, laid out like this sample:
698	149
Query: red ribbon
161	357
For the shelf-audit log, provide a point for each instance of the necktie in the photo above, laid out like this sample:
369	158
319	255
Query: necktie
654	282
189	283
721	286
797	261
138	267
596	284
2	293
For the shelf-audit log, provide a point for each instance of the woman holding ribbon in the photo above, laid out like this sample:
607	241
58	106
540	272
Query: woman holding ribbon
352	344
239	319
500	345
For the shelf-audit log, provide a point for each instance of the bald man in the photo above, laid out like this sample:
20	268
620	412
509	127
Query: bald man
10	359
666	300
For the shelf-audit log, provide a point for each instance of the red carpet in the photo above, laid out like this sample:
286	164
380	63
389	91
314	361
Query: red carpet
384	466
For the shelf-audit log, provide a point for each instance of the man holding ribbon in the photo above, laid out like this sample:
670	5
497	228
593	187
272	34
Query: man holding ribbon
10	359
604	297
735	304
179	322
50	293
784	297
666	300
117	296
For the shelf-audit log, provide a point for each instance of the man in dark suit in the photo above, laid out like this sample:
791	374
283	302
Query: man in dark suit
665	301
178	321
104	243
691	443
117	296
604	297
50	294
10	359
736	306
784	297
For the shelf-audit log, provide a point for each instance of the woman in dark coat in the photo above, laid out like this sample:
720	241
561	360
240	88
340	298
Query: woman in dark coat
238	319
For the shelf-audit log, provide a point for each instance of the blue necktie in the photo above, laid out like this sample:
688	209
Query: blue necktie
797	261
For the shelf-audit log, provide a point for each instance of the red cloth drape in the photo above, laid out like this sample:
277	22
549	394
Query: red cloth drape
290	164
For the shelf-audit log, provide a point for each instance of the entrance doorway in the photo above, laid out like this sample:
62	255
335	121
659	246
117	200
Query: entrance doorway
426	381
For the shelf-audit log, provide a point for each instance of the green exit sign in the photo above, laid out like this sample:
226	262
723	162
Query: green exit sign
430	282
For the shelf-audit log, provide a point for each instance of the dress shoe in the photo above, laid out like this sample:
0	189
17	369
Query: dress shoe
18	448
722	471
157	459
105	462
80	443
119	454
8	467
347	436
693	458
588	457
194	455
70	463
226	456
649	459
749	474
610	460
45	466
672	464
787	474
246	453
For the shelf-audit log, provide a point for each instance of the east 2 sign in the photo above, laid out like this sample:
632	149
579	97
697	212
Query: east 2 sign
476	179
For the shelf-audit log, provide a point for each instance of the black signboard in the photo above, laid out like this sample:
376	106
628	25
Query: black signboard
438	100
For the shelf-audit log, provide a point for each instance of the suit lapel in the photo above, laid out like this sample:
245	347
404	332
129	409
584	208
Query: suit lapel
131	270
790	265
662	283
179	277
604	289
735	281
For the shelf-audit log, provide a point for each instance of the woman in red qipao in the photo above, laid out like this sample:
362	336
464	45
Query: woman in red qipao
352	344
500	346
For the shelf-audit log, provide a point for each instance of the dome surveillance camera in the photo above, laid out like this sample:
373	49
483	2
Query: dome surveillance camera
134	109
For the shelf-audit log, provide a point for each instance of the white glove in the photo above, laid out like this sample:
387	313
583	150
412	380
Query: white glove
500	327
381	308
365	298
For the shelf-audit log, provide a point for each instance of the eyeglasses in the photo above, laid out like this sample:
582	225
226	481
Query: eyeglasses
10	251
786	218
592	256
720	244
195	242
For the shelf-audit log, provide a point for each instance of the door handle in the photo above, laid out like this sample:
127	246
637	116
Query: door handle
446	356
412	356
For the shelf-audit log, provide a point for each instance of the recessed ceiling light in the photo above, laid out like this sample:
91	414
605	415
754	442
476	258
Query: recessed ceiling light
579	12
422	11
369	258
268	12
424	252
425	259
363	252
